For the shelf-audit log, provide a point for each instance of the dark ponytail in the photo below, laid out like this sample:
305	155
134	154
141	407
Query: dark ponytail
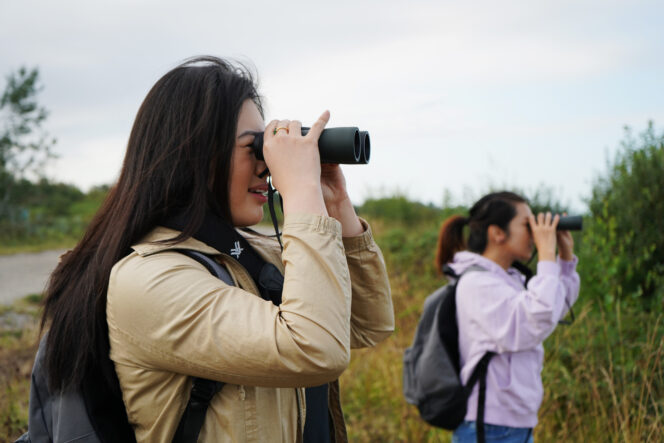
497	208
450	240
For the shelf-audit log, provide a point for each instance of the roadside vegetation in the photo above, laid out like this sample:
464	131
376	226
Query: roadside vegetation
48	216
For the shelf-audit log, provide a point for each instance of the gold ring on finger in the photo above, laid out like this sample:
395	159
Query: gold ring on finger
279	129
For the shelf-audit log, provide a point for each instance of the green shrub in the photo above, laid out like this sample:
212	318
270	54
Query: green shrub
625	239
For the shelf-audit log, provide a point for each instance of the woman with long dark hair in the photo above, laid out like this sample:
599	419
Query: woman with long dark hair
497	311
131	319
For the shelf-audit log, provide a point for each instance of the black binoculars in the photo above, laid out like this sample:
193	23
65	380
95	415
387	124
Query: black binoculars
570	223
345	146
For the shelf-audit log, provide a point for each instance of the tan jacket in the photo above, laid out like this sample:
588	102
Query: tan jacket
170	319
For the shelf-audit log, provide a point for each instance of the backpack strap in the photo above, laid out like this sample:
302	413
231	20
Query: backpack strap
479	373
210	264
202	390
192	420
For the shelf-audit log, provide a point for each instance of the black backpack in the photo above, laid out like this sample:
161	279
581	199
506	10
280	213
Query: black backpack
431	365
84	416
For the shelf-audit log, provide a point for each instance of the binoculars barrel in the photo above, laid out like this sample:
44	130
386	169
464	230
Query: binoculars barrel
346	146
365	147
570	223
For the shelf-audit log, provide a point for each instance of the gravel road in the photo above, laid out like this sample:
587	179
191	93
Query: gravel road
24	274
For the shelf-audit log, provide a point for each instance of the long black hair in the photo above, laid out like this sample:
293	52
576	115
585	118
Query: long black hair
178	160
497	208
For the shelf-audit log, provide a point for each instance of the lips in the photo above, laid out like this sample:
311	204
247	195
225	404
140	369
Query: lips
259	193
260	190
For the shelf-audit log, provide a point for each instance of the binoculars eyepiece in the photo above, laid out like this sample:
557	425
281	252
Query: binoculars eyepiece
346	146
570	223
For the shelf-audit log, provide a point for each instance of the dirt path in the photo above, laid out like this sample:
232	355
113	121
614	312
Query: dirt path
24	274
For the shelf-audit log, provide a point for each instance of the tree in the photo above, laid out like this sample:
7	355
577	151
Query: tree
25	146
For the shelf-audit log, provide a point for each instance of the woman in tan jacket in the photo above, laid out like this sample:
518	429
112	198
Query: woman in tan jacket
131	319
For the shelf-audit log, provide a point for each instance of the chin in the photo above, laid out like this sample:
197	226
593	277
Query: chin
525	257
248	220
257	219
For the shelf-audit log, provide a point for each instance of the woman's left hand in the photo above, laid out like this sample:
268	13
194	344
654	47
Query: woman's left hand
565	244
333	184
337	202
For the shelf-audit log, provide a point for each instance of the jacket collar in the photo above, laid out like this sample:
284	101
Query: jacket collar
465	259
157	241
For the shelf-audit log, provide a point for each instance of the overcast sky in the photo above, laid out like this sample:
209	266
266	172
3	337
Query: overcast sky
457	96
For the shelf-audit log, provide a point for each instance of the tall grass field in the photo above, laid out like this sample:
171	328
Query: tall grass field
603	375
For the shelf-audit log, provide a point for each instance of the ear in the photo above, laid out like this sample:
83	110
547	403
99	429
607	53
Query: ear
496	235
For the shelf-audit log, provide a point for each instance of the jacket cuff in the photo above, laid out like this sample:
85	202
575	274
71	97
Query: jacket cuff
313	222
360	242
568	267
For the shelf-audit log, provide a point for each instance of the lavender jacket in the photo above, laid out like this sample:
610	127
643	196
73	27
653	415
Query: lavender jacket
496	313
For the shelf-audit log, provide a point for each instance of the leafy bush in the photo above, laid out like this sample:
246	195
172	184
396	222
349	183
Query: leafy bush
625	239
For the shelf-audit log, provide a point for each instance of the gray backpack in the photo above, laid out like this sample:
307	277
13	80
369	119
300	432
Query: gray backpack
431	366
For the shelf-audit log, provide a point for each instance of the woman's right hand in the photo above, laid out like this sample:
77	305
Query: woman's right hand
543	229
294	163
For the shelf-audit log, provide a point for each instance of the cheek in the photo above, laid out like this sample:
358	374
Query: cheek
232	190
237	190
239	181
523	238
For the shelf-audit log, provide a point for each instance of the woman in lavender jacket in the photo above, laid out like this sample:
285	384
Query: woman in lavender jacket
497	312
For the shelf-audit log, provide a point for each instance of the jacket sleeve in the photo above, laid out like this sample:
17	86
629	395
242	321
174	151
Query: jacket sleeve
166	312
372	313
509	320
570	279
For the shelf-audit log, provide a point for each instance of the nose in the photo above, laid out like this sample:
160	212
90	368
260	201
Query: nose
260	168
